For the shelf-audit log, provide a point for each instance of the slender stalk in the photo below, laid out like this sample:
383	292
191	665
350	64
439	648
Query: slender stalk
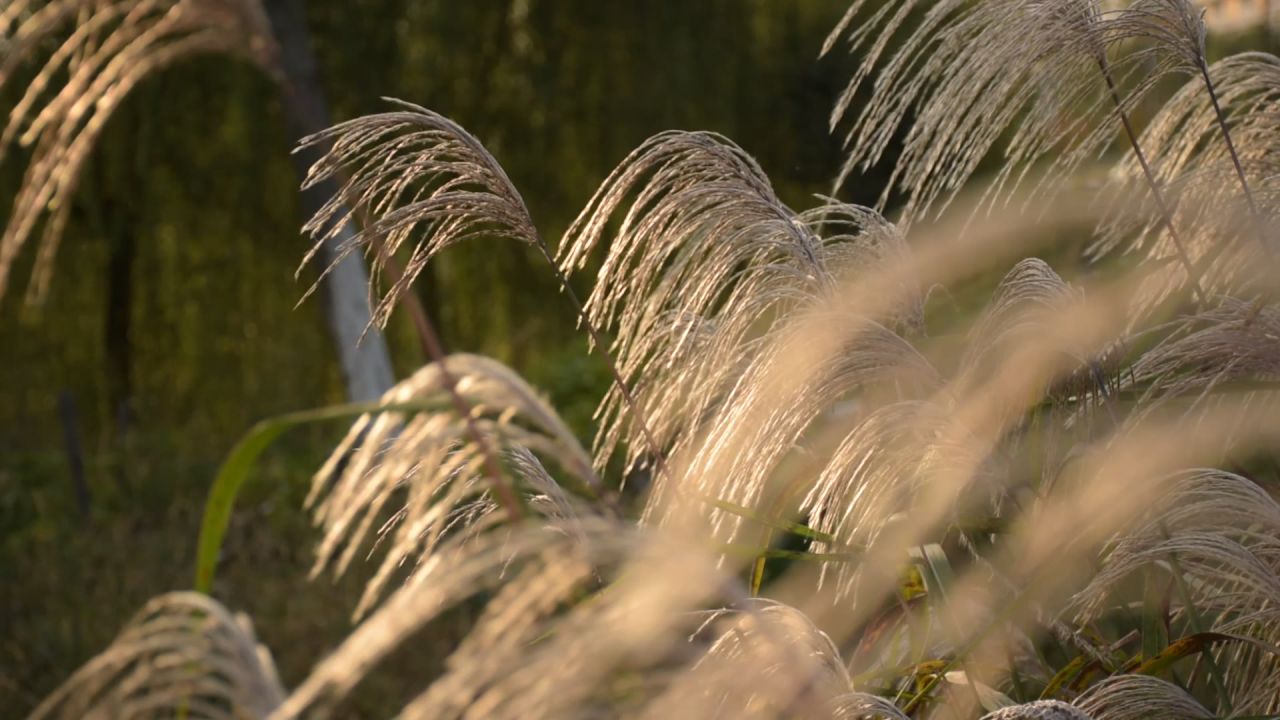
1013	602
417	311
1166	216
1258	225
434	349
598	340
1197	625
505	493
389	264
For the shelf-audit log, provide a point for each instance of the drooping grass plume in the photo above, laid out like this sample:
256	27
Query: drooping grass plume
502	670
907	422
1039	710
1177	27
429	470
765	657
781	396
1017	312
864	706
456	571
699	213
1044	84
706	248
415	179
1237	342
1214	534
871	479
422	183
111	46
963	74
183	655
1228	227
1131	697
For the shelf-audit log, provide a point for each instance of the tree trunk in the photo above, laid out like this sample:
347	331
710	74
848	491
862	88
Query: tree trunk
366	364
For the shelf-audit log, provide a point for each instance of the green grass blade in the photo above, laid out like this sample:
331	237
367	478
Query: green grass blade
938	576
1177	650
1012	604
1198	627
1064	676
757	574
240	462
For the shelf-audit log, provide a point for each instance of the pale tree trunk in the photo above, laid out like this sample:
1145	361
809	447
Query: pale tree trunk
362	349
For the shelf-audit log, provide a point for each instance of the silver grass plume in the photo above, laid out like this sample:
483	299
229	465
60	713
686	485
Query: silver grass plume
1057	77
1025	297
872	478
895	453
704	253
824	359
767	659
967	73
1218	532
182	655
112	46
781	399
542	567
625	652
417	181
1225	209
593	653
429	470
536	651
1039	710
1177	28
1236	341
1140	697
1221	522
864	706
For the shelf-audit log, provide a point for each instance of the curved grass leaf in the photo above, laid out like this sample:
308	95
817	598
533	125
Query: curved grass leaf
240	462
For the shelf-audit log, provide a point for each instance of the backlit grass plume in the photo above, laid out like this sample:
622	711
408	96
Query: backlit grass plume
427	469
103	50
421	183
704	252
920	463
183	655
1217	155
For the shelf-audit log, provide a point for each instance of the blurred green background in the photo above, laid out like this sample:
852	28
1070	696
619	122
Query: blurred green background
171	327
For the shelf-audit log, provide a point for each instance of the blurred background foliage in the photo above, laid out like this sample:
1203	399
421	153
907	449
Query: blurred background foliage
171	324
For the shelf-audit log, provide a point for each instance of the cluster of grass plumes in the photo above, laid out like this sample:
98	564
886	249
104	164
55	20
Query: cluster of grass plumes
872	495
